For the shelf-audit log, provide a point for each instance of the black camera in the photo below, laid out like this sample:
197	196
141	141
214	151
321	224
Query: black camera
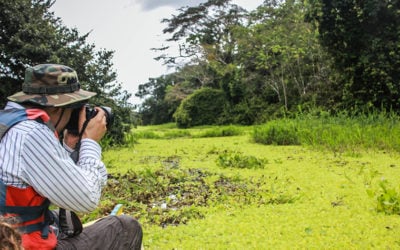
91	112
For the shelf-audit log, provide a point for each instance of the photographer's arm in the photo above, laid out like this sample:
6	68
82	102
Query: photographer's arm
49	169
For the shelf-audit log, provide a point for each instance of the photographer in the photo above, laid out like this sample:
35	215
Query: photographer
36	170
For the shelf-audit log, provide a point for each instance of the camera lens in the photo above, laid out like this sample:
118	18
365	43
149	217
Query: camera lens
109	116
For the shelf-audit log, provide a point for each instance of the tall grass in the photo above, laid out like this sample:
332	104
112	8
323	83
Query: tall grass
222	131
339	133
170	132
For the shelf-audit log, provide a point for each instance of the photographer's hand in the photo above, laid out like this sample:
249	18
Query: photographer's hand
96	128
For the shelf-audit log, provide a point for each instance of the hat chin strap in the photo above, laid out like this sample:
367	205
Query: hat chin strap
59	118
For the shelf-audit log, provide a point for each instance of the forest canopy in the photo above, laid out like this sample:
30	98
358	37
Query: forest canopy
245	67
285	56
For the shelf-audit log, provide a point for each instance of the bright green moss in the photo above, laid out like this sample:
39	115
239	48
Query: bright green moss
321	198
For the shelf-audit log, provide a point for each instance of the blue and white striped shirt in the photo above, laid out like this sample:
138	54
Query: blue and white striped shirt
30	155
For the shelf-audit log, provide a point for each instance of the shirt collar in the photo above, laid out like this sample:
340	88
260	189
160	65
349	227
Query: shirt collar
13	105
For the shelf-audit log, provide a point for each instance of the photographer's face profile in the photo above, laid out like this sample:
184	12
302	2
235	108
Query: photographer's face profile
59	117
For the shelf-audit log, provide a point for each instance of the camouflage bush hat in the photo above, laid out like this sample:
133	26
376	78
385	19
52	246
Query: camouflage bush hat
51	85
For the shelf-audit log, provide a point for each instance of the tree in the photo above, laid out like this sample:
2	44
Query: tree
25	32
101	78
281	55
155	109
207	48
266	62
204	107
30	34
162	96
203	29
363	38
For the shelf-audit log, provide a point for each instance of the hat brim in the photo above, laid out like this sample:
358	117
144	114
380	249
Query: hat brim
57	100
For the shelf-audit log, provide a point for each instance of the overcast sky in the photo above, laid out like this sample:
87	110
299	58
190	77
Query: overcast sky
130	28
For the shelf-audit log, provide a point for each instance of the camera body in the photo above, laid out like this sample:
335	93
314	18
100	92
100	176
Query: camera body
91	112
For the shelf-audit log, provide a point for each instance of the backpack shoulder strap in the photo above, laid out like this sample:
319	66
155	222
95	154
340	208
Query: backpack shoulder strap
11	117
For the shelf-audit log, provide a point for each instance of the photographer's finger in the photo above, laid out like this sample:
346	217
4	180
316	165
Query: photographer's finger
100	112
105	120
98	118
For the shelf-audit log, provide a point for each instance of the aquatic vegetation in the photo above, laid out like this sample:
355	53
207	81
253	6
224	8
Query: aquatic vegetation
232	193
